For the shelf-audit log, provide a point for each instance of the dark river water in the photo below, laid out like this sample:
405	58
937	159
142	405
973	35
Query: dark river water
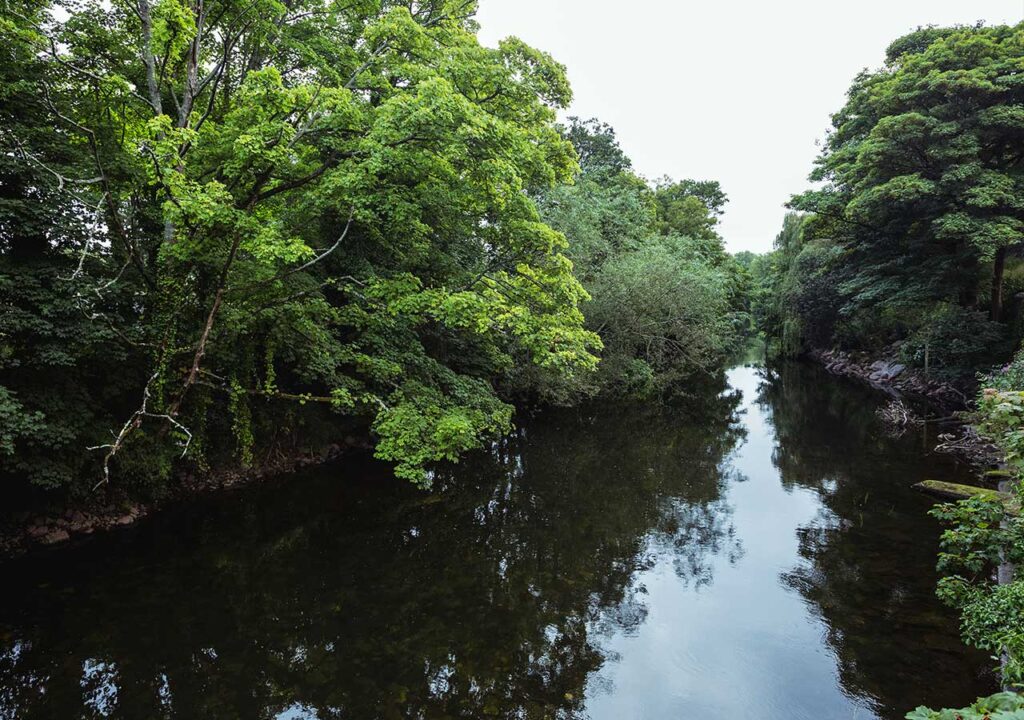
759	556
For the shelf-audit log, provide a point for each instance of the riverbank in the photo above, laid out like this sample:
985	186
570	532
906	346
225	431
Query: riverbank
894	378
930	400
25	531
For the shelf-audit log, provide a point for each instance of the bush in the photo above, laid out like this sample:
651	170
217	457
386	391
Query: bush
664	306
955	341
1001	706
981	534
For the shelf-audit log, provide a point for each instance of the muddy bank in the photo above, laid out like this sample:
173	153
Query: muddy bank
25	531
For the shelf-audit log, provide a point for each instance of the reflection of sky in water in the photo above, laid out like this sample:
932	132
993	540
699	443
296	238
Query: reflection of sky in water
99	684
744	629
298	711
601	563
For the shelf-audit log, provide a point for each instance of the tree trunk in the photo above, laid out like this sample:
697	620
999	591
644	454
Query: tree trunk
968	275
998	265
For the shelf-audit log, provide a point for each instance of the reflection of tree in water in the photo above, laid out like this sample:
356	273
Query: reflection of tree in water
867	574
361	599
696	534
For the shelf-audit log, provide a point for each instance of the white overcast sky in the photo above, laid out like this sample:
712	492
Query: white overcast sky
737	91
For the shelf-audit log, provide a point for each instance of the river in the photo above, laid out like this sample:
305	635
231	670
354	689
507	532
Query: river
758	553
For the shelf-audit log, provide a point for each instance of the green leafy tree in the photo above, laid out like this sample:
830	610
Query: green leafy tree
917	216
667	300
663	315
922	170
270	205
794	299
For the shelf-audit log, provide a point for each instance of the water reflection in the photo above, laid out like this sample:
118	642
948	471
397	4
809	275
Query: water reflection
863	549
721	561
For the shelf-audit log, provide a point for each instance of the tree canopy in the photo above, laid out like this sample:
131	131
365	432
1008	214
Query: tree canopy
665	297
917	219
922	170
223	206
231	228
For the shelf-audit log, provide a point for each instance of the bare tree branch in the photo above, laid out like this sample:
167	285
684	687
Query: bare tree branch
132	424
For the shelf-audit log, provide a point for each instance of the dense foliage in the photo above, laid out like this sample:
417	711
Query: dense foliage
217	213
231	230
913	234
794	301
666	299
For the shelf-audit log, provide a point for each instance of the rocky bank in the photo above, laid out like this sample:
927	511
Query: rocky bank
895	379
22	532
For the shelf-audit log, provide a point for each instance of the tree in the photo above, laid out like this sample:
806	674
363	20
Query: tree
666	299
287	205
690	208
923	168
596	146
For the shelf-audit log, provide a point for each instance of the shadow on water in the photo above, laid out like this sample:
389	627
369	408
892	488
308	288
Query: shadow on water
757	554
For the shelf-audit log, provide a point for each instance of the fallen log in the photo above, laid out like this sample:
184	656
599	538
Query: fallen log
956	491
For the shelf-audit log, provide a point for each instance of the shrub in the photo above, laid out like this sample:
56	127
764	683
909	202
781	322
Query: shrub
954	341
1001	706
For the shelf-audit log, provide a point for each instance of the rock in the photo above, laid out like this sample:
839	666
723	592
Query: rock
55	536
332	450
38	531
